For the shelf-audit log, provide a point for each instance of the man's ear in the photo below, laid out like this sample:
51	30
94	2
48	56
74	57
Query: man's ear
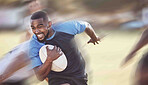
49	24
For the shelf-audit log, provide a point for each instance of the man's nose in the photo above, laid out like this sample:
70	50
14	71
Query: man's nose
36	31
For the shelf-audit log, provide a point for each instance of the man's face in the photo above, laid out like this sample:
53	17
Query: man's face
39	28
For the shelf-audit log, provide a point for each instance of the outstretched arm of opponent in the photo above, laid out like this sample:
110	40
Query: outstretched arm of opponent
20	61
43	70
141	43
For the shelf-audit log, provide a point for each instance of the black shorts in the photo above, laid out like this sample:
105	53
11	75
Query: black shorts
58	80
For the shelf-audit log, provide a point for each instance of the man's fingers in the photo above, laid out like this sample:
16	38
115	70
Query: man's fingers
58	49
47	49
54	48
88	42
94	43
97	42
61	53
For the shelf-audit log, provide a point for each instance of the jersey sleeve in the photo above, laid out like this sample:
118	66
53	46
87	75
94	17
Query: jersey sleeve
34	53
71	27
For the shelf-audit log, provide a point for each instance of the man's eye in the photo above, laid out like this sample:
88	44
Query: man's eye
33	27
40	26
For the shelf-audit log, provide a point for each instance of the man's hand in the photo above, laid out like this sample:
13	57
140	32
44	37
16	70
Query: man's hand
94	40
53	54
43	70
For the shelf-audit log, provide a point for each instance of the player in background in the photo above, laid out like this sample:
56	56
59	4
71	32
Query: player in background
15	66
142	69
32	6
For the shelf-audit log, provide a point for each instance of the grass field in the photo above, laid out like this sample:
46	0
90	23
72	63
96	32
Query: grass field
103	60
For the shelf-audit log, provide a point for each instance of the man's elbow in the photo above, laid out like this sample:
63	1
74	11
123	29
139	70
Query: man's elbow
40	78
39	74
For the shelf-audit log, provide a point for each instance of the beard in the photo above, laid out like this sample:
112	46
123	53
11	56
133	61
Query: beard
42	41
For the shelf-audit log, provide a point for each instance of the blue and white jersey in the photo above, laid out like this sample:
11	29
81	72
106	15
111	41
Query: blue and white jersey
63	37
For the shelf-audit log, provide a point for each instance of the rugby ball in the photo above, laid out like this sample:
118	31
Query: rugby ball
59	64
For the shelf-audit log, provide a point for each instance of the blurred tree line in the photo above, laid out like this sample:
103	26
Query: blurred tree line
110	7
91	5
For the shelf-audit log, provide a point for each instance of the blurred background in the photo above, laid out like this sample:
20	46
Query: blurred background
121	21
105	14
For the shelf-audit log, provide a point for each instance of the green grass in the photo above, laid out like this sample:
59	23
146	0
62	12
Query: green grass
8	40
103	60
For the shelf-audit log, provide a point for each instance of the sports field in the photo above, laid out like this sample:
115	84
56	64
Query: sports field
103	60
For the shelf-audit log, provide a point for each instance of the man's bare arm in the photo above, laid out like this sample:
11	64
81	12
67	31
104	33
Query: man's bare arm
91	33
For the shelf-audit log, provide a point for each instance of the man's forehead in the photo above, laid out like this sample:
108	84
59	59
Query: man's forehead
40	20
37	20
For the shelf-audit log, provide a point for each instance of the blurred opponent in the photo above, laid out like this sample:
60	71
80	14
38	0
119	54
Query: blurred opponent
142	68
15	66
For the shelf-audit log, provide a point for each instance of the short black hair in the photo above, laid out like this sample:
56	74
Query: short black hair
40	14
